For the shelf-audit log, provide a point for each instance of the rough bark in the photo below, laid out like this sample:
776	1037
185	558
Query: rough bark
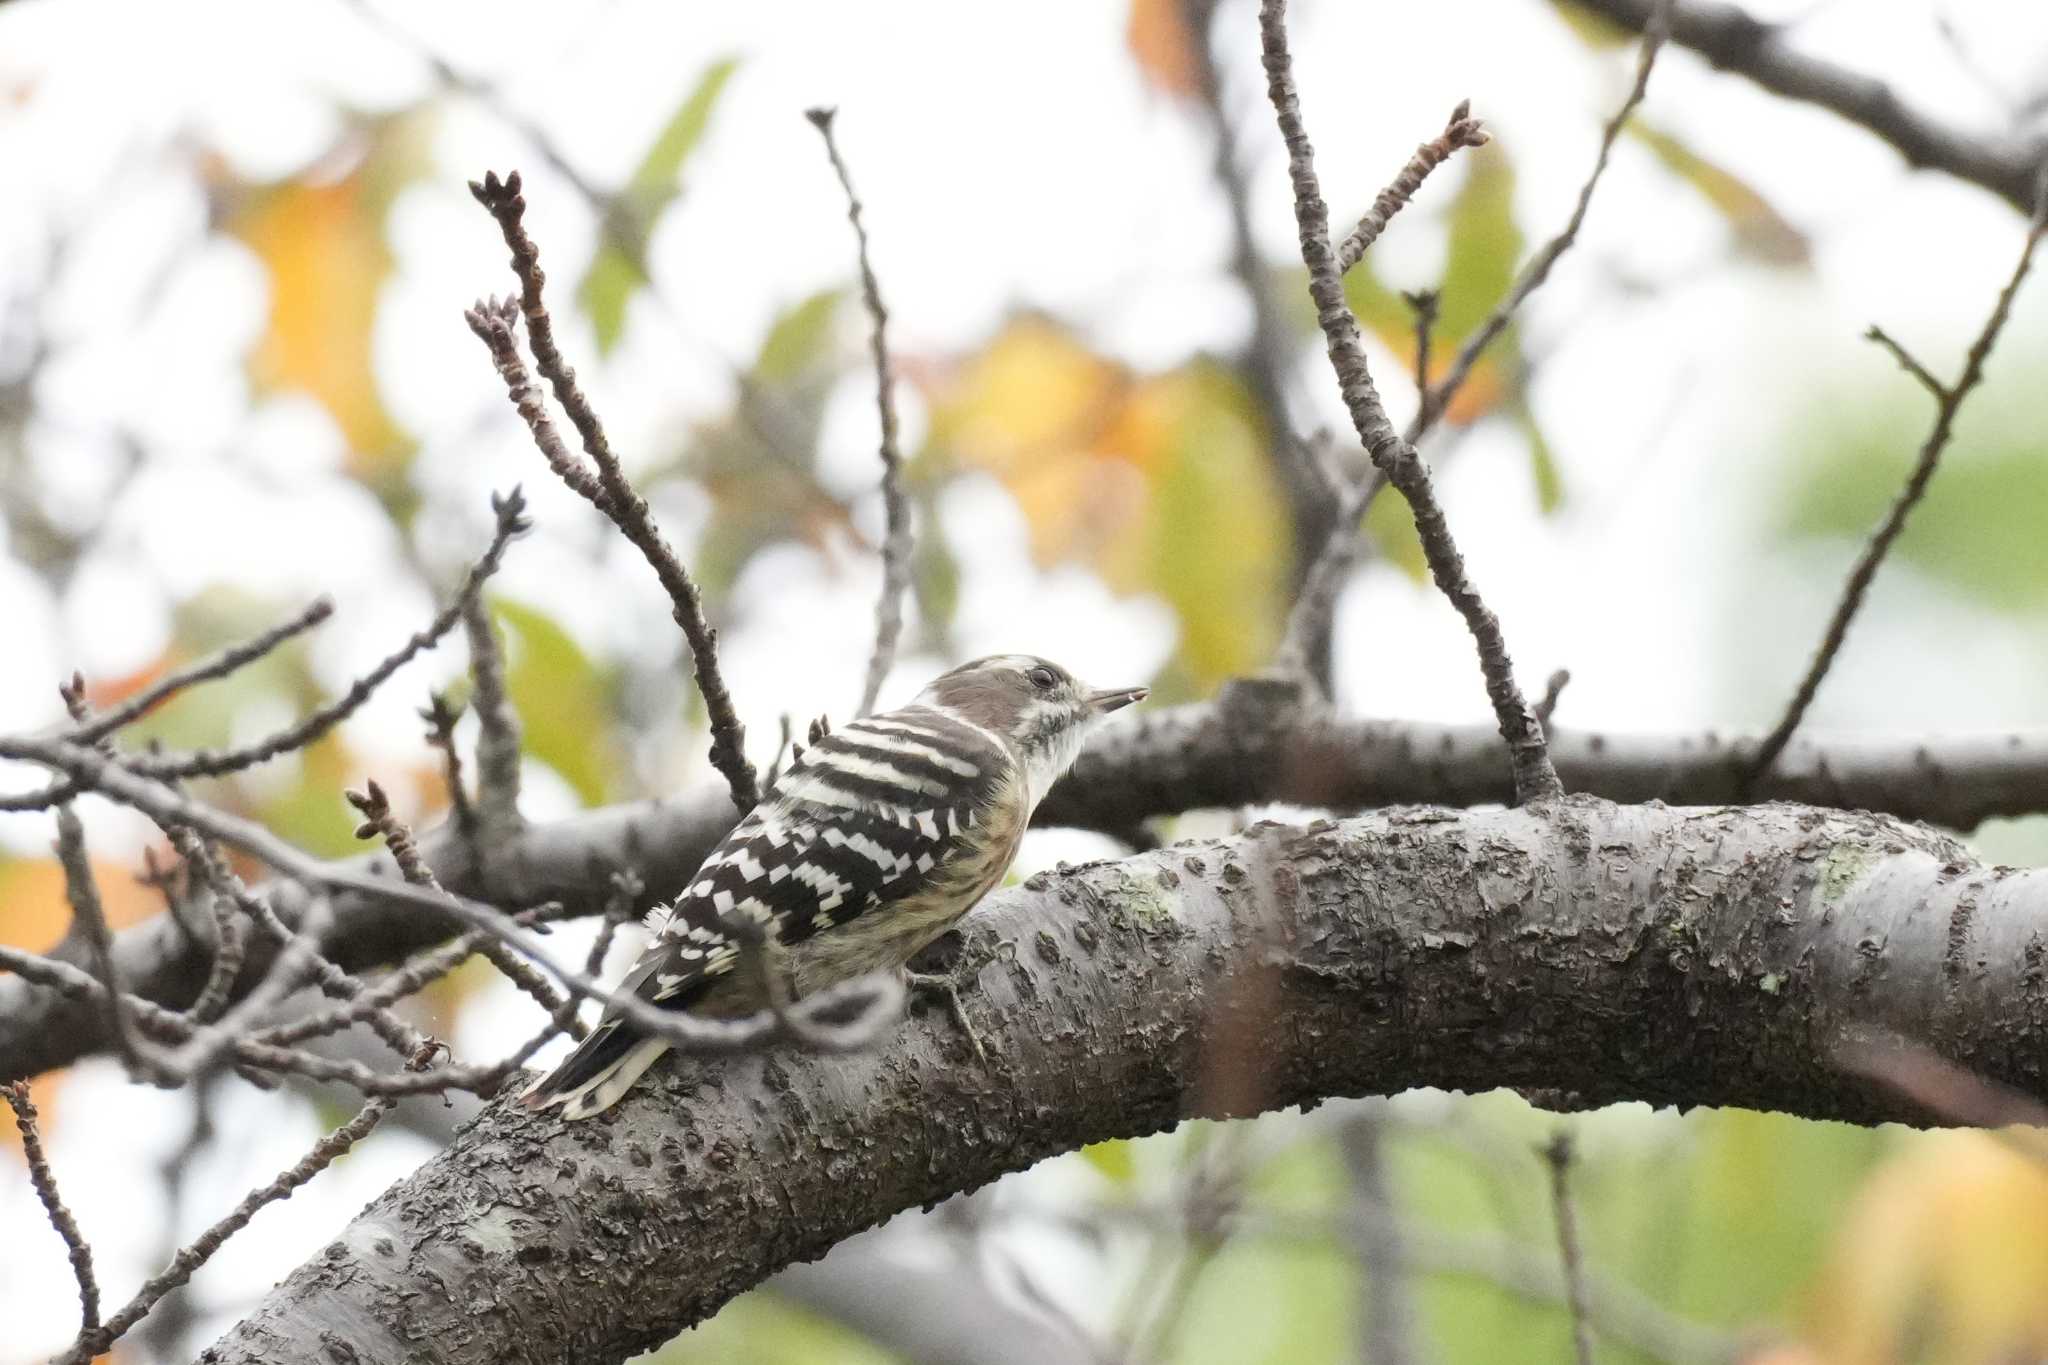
1252	746
1600	952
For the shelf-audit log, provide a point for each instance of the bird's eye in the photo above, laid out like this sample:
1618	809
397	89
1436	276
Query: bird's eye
1041	678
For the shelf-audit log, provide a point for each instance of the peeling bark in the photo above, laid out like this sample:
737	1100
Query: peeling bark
1678	956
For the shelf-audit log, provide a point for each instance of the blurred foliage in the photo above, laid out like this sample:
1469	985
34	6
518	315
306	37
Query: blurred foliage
562	698
320	238
1159	482
620	266
760	1329
1978	529
1761	233
1162	44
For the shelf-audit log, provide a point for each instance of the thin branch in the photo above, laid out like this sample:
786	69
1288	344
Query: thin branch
228	661
1907	361
421	971
1552	690
1388	1320
1949	402
492	320
1535	778
60	1216
621	502
379	822
441	715
1733	40
497	737
91	918
182	1267
1557	1153
1538	269
510	512
229	944
1460	130
896	545
1423	303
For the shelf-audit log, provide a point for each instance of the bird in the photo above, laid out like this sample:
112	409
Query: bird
871	844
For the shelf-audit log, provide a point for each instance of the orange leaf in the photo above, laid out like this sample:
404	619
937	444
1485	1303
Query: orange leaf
38	915
324	249
1163	47
1943	1259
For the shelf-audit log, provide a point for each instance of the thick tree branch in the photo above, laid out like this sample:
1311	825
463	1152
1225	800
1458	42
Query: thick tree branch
1671	955
1207	755
1733	40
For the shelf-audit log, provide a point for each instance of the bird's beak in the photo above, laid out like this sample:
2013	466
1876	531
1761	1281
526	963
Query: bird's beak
1102	701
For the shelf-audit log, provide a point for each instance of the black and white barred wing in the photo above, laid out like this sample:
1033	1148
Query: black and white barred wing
876	813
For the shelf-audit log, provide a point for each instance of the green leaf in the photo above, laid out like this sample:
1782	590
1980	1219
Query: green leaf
799	338
654	181
562	698
1484	247
620	264
1543	467
606	289
1113	1159
1761	232
1219	543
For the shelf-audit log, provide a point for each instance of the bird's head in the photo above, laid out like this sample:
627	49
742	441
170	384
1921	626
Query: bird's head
1042	711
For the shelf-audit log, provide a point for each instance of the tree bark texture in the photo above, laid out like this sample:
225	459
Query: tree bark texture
1254	745
1686	956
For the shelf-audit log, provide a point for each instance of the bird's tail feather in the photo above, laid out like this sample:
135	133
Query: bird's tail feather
591	1079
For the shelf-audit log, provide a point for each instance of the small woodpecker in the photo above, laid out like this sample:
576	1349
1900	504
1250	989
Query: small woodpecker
884	834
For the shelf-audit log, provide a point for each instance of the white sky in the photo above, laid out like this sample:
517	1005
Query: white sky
1006	162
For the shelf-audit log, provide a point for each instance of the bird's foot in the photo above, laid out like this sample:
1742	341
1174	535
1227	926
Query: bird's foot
946	985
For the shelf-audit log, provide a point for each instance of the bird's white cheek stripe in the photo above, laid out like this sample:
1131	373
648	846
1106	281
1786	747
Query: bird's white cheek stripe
908	740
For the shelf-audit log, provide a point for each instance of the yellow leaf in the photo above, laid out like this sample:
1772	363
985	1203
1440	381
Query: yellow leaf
1943	1259
1033	392
1163	46
323	247
1160	483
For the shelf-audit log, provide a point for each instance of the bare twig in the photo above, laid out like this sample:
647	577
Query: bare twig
228	661
441	715
379	822
1734	40
45	1181
1535	778
414	976
896	545
1423	303
182	1267
1907	361
510	511
497	737
1558	1154
1948	402
1552	690
1460	130
91	918
492	320
621	502
1388	1321
229	942
1538	269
